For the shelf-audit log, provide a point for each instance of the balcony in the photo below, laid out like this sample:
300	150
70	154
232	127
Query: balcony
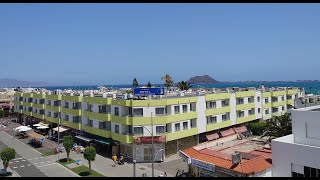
76	112
97	116
279	93
17	94
245	94
222	110
53	120
219	96
265	106
27	104
293	92
98	132
39	116
27	113
39	106
291	101
154	102
245	106
98	100
18	103
279	103
266	94
27	95
181	134
246	119
53	108
71	124
39	96
122	138
53	97
180	117
219	125
72	98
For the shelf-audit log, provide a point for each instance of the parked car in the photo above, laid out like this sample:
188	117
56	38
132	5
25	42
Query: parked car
35	143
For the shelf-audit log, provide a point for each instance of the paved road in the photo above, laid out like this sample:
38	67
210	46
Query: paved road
30	156
23	167
170	167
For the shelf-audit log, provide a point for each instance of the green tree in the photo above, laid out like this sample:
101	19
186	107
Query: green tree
1	112
149	84
90	155
135	83
278	126
67	144
168	81
7	154
257	128
184	85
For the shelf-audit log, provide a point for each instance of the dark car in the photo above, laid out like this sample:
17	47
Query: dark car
35	143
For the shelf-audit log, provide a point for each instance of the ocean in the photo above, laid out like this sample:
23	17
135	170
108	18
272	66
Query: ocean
312	87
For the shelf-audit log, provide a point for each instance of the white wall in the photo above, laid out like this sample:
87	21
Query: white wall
233	106
285	152
201	109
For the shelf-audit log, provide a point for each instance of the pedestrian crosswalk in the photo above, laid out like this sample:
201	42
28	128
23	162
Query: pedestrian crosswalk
23	163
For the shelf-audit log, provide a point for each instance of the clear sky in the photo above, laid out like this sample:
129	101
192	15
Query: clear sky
113	43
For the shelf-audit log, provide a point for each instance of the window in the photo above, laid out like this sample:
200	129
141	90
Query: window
266	111
138	130
116	111
193	123
67	105
160	111
274	109
116	128
36	101
176	109
258	99
90	107
191	107
311	172
185	125
251	111
36	111
289	97
130	111
90	122
240	114
49	113
160	129
258	110
76	105
240	101
250	99
184	108
266	100
282	98
108	109
138	112
225	103
103	109
102	125
225	117
282	108
130	129
211	104
76	119
177	126
274	99
67	117
212	120
55	115
56	103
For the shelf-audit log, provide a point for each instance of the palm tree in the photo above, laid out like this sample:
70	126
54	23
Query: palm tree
135	83
278	126
168	81
184	85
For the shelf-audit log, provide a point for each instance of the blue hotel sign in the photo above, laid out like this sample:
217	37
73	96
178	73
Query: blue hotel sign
203	165
148	91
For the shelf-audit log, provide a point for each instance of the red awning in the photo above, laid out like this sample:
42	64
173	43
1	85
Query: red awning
227	132
212	136
241	129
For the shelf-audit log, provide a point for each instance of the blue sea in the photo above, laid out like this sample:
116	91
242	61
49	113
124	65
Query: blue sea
312	87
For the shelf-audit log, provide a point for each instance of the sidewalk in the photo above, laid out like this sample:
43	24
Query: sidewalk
104	166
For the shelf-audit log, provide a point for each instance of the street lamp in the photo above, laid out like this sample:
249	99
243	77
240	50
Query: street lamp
134	168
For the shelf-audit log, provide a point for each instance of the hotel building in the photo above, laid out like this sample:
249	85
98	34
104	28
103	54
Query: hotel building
180	119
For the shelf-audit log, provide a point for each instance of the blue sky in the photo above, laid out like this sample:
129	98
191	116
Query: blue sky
113	43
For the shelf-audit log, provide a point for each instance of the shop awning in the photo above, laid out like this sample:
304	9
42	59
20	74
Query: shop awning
212	136
103	140
84	138
241	129
61	129
227	132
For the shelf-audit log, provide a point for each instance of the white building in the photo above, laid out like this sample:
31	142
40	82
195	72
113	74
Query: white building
298	154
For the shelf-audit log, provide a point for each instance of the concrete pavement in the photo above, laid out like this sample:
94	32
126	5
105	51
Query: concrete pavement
104	166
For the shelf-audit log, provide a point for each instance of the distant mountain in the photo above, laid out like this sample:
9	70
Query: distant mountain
202	80
16	83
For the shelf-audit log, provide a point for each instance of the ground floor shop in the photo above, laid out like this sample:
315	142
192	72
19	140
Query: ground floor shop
173	147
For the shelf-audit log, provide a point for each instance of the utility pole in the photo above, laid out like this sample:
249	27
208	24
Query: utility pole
58	137
134	168
152	146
